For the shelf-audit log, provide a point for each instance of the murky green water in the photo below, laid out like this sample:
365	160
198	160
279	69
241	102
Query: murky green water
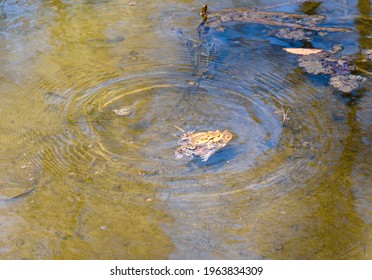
79	182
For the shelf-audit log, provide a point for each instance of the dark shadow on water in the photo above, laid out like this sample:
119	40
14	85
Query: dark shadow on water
216	162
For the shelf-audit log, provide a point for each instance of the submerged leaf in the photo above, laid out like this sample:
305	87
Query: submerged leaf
347	83
326	63
293	34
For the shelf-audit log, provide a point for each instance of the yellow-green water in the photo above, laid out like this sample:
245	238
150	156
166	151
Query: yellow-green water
79	182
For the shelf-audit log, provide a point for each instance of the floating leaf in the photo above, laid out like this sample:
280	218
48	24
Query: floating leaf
302	51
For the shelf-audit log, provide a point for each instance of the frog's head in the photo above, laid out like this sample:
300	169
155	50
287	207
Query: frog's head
227	136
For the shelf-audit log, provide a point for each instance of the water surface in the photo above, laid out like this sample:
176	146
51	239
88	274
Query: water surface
79	182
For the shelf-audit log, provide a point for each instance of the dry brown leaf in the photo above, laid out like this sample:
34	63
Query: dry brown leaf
302	51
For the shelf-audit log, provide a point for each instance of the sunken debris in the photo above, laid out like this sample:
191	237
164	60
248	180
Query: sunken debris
123	111
300	27
326	63
347	83
332	63
292	21
368	54
292	34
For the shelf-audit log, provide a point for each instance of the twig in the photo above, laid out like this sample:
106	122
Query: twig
179	128
285	115
363	71
19	195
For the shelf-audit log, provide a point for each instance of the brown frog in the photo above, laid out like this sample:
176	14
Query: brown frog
202	144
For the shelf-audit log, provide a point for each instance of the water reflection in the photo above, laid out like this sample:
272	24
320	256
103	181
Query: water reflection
107	187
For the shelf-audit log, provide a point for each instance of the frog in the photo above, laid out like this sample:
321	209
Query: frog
202	144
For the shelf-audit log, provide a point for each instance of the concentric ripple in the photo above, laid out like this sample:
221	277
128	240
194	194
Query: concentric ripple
278	137
267	147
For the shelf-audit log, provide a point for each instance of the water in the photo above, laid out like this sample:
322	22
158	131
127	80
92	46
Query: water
79	182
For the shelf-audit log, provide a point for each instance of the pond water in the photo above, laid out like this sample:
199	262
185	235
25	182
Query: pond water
79	182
